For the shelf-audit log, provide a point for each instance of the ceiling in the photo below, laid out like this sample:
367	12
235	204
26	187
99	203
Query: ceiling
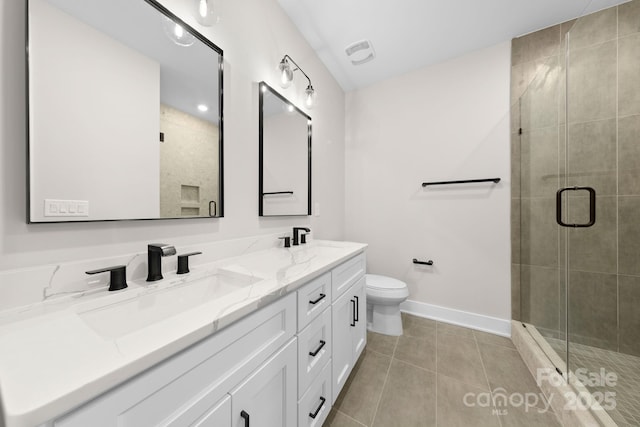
410	34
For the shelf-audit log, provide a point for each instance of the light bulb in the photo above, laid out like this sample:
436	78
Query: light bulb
178	31
309	97
203	9
286	74
206	14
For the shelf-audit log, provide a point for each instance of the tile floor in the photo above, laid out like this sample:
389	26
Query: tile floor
626	367
424	378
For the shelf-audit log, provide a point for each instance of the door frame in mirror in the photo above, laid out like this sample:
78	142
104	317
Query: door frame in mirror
266	87
219	205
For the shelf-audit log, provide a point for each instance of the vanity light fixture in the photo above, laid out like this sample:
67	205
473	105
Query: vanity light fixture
177	33
286	77
206	12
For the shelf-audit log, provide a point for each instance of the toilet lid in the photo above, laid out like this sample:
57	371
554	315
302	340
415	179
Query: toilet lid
384	282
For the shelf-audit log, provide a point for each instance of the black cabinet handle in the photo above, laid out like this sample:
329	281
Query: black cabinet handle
353	318
592	207
314	414
356	314
317	350
245	415
320	298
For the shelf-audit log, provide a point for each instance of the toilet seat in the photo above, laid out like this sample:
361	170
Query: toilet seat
377	282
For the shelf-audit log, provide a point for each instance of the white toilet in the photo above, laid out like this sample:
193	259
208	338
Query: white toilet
384	295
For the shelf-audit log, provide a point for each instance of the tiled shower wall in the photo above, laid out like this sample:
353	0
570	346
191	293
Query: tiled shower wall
604	153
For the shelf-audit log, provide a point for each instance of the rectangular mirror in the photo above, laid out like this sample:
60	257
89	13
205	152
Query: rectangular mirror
125	113
285	156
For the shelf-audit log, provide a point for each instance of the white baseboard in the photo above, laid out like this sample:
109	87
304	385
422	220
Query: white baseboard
480	322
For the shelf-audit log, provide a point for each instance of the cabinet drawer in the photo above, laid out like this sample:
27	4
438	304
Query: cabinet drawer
314	406
313	298
220	415
346	274
186	387
314	350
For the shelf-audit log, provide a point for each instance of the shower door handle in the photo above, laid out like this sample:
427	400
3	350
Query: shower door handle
592	207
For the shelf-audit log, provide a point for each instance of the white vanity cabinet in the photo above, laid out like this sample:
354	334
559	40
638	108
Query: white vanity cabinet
203	385
280	366
267	398
349	321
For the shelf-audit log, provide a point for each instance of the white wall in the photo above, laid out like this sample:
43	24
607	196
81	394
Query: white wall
285	157
255	35
445	122
114	127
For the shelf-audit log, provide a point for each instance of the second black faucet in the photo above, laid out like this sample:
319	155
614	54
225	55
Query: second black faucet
155	252
299	238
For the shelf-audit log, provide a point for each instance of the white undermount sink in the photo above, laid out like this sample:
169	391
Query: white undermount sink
124	317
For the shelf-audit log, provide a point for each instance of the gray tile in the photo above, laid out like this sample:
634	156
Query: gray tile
540	44
539	232
593	308
515	292
487	338
461	331
539	162
628	235
592	155
361	393
628	18
418	351
515	231
592	98
459	358
338	419
454	410
539	103
515	165
629	156
540	296
408	398
630	315
506	370
415	326
384	344
593	248
523	416
628	81
594	28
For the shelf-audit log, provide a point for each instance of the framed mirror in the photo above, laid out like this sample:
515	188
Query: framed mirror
124	113
285	156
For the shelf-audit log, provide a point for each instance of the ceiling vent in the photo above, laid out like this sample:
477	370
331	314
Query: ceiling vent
360	52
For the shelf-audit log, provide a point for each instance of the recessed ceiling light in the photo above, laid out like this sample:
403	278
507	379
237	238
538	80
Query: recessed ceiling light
203	108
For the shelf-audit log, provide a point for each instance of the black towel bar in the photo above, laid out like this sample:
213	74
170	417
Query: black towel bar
415	261
465	181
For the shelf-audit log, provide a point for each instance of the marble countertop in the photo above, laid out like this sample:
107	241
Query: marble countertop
59	354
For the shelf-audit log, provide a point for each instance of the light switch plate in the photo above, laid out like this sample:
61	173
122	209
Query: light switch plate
317	209
66	208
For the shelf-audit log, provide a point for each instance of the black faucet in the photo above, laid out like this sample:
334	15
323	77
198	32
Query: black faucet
296	236
155	252
118	277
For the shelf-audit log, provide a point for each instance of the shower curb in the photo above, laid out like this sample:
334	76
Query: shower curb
558	395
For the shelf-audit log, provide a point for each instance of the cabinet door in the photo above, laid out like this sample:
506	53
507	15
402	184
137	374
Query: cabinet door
343	322
359	331
268	397
219	416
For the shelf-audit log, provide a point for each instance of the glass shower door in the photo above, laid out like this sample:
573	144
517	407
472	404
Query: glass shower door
603	156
